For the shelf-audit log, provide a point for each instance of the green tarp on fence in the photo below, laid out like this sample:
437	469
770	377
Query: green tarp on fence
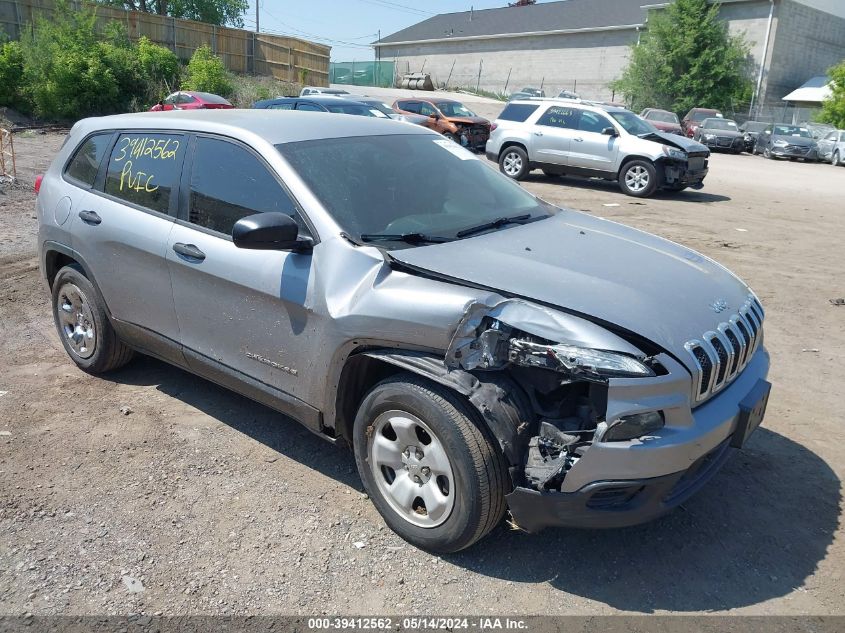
362	73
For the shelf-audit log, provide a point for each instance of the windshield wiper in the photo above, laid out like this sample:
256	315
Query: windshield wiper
494	224
409	238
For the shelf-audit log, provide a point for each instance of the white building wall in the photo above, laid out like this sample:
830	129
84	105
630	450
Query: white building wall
586	62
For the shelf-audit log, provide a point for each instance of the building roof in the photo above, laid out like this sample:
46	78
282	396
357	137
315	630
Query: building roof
566	15
815	90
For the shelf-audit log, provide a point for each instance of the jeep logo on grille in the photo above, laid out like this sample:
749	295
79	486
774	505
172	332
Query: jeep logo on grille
719	305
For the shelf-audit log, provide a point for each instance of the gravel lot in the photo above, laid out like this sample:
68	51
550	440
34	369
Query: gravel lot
196	500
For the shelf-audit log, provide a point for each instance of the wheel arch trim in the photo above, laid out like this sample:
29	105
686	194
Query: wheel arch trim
486	397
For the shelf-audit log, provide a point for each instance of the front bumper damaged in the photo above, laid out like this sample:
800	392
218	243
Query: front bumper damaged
567	475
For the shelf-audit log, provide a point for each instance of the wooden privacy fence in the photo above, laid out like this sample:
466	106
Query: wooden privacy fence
241	51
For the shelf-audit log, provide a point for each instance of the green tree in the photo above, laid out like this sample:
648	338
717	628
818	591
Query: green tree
11	72
207	73
686	59
833	108
220	12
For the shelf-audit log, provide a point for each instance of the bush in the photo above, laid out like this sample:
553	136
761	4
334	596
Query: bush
206	73
160	68
11	74
64	70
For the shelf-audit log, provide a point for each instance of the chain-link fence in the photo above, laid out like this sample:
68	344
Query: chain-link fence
376	73
785	112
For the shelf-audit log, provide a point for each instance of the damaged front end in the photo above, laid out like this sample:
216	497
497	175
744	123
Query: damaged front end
563	364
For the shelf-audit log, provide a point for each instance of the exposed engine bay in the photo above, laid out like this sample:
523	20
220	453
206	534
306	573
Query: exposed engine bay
567	384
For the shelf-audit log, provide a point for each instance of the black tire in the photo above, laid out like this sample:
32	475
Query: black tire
109	352
513	162
648	183
452	137
767	153
835	160
480	479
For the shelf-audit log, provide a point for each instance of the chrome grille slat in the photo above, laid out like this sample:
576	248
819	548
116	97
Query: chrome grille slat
720	355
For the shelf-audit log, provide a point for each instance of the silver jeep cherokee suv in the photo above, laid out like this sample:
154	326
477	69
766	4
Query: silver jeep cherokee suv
582	138
479	349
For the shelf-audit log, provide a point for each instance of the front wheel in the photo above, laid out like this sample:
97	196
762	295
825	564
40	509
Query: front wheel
433	473
767	153
835	160
513	162
638	178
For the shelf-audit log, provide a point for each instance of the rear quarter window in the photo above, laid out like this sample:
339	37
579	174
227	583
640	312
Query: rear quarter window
144	168
86	160
518	112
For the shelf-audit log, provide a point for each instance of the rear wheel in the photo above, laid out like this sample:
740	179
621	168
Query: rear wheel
513	162
83	326
638	178
434	475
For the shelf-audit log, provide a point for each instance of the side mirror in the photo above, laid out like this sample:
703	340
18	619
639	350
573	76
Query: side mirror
434	116
272	231
610	131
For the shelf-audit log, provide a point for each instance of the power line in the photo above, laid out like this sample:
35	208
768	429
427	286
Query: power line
386	4
314	35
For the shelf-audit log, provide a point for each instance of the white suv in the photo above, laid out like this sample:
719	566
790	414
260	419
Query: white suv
581	138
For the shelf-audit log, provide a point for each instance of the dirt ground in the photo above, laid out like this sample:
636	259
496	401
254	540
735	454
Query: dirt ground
200	501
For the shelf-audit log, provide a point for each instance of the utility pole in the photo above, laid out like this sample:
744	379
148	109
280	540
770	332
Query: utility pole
257	29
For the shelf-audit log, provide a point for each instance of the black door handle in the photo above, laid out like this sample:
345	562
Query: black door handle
90	217
189	250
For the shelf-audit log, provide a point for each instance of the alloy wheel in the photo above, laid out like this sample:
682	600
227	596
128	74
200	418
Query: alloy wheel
76	320
411	468
637	178
512	164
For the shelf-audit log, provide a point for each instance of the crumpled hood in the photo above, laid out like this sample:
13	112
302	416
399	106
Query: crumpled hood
468	120
681	142
596	268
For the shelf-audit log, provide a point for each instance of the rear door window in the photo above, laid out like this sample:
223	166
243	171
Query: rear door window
144	169
410	106
309	107
282	106
229	182
560	116
86	161
518	112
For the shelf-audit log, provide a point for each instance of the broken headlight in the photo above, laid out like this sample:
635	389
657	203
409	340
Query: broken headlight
630	427
677	154
577	360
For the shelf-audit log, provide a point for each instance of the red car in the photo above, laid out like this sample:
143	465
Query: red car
190	100
691	122
663	120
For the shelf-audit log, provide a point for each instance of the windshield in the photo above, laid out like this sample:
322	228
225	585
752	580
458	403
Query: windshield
791	130
375	185
755	126
632	123
352	108
720	124
453	108
381	107
663	117
700	116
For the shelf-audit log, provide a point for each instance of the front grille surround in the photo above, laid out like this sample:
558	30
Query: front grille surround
721	354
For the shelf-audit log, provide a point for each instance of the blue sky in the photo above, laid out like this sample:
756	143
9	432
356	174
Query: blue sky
348	26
